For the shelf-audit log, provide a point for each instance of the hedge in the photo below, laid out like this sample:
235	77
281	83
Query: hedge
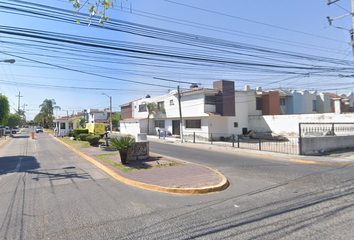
79	131
93	139
83	136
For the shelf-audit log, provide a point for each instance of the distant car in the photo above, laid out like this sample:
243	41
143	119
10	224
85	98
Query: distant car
15	130
39	129
26	126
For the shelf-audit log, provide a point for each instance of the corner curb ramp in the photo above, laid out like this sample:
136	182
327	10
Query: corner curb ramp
221	186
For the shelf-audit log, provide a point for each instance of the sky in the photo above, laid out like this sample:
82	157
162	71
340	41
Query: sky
151	47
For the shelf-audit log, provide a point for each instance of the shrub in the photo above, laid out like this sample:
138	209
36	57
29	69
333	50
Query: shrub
79	131
83	136
93	139
70	134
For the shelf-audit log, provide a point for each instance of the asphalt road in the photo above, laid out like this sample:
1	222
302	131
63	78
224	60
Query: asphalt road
49	192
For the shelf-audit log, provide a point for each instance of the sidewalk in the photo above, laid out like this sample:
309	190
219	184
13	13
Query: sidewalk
188	178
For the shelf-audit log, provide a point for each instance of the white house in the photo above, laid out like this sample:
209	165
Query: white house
65	125
205	111
96	116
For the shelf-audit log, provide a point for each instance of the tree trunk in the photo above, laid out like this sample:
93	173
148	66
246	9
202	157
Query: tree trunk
123	156
148	125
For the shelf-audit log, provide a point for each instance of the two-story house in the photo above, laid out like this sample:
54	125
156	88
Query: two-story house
204	111
96	116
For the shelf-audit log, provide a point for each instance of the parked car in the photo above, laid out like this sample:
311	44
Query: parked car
15	130
26	126
39	129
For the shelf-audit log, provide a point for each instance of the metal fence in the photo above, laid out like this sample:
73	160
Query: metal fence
289	145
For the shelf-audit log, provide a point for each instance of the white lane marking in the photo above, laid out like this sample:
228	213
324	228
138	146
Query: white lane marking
236	206
17	166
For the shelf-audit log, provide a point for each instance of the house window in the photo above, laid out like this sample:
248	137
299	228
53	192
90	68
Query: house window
282	102
258	103
235	124
314	105
161	105
194	123
71	125
171	102
210	100
142	108
160	123
62	125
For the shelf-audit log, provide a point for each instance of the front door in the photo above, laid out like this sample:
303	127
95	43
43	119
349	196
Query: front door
175	127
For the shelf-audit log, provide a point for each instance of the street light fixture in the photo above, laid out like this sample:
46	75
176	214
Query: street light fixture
8	60
110	106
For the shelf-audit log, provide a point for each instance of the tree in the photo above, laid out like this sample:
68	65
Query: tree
38	119
82	121
95	7
13	120
153	109
4	109
116	119
48	106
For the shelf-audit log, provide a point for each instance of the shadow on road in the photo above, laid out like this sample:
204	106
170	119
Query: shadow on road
20	136
17	164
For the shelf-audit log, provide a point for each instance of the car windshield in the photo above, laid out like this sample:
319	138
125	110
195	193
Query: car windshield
39	127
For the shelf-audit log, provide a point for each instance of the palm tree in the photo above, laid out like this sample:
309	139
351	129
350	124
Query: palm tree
153	109
48	106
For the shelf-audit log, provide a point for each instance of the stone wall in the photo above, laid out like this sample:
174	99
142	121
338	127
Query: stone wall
139	151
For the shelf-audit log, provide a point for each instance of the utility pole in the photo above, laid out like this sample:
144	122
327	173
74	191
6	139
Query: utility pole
330	21
19	96
24	111
180	114
111	119
352	30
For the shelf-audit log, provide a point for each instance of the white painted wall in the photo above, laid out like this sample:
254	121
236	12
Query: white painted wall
309	145
350	96
251	102
130	127
324	103
288	125
242	110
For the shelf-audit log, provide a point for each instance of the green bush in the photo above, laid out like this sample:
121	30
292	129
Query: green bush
70	134
83	136
79	131
93	139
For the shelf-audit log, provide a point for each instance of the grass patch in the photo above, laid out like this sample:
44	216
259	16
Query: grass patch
132	169
77	144
114	164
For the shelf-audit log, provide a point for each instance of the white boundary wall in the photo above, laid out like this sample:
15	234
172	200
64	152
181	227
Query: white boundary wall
288	125
318	144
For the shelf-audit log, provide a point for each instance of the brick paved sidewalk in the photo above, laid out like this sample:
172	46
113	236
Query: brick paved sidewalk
188	175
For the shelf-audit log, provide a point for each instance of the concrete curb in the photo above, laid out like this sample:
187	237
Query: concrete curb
3	141
221	186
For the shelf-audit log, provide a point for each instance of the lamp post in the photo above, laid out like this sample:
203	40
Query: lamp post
110	109
8	60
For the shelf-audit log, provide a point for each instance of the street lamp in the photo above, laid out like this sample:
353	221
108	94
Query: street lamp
110	106
8	60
